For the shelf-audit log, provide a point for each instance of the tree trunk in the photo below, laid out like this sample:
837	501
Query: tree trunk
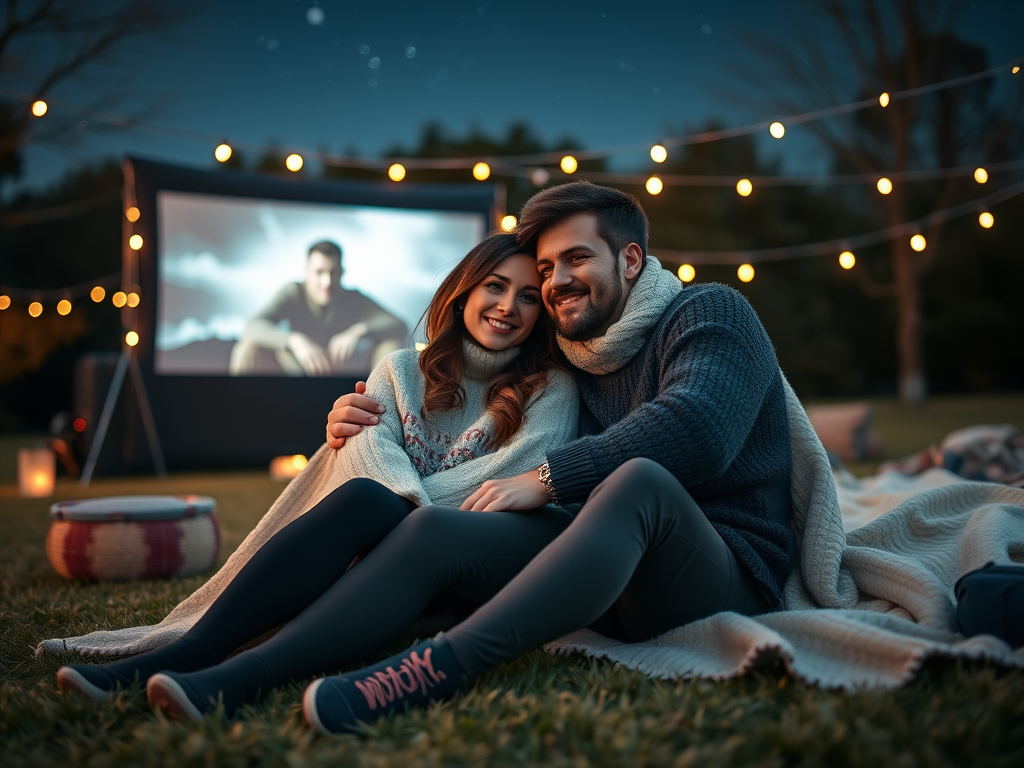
912	386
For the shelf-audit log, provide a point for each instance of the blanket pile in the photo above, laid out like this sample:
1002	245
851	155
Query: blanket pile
869	600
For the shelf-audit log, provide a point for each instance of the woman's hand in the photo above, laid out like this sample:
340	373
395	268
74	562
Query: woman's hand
351	413
523	491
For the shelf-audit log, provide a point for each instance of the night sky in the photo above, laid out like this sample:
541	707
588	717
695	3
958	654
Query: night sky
364	76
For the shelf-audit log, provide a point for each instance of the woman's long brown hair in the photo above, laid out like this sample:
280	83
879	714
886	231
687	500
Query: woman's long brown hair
441	362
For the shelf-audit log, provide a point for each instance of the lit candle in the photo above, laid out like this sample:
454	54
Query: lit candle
36	470
287	467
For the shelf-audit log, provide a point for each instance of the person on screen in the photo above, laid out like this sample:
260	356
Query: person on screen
316	327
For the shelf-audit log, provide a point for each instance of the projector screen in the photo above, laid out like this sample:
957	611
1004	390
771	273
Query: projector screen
236	281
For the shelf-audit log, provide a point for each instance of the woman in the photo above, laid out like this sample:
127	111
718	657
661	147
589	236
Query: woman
485	399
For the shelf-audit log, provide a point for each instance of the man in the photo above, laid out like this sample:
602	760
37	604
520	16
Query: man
316	327
682	470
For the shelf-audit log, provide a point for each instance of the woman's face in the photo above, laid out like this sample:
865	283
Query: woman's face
502	309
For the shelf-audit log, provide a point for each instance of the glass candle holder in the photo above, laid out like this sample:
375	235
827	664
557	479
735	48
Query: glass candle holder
37	468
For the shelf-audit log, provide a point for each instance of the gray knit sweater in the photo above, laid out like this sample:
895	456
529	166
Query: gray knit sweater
704	398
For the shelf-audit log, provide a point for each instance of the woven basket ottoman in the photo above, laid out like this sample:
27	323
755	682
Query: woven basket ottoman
133	537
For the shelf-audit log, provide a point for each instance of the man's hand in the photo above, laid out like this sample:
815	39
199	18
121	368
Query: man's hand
309	354
523	491
351	413
342	345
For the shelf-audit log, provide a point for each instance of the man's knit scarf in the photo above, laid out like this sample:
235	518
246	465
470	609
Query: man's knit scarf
646	303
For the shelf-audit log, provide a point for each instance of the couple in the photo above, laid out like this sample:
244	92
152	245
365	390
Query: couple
464	474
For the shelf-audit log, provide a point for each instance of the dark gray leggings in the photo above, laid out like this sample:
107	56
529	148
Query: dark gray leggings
639	559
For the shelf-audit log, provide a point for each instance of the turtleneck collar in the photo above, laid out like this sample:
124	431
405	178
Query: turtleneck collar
482	363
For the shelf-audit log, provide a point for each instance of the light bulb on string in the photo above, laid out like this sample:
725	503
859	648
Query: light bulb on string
654	185
986	219
744	187
293	162
777	130
481	171
5	301
884	185
222	153
659	154
131	338
119	299
135	242
539	177
35	309
39	107
568	164
883	99
508	222
847	260
686	273
980	175
918	243
396	172
132	300
1015	70
132	214
98	293
745	272
63	307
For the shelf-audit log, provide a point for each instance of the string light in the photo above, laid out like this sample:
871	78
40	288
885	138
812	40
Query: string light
39	107
119	299
5	301
539	177
396	172
135	242
777	130
293	162
1015	70
508	222
222	153
884	185
132	300
63	307
847	260
744	187
686	272
98	293
980	175
568	164
745	273
132	214
481	171
78	424
883	99
35	309
131	338
986	220
918	243
654	185
659	154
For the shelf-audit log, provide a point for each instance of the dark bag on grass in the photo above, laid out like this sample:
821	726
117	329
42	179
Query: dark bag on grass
990	601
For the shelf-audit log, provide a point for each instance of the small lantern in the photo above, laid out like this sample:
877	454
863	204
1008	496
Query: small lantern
36	470
287	467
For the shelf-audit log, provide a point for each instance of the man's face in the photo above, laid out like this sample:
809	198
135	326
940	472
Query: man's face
583	284
323	277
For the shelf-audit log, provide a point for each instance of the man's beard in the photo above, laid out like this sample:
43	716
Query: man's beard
598	309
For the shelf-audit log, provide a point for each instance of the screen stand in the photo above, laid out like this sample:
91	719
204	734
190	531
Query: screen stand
124	364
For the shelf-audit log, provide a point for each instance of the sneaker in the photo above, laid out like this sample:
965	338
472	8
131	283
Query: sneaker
169	695
94	681
426	672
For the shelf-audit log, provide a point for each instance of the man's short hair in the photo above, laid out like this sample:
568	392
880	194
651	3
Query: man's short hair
620	219
327	248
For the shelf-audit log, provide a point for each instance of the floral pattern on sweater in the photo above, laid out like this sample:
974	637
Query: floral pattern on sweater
431	451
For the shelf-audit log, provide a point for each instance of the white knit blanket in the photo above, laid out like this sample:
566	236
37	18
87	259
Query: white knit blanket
872	597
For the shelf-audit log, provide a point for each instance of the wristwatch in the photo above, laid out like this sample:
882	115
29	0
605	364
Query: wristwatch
544	474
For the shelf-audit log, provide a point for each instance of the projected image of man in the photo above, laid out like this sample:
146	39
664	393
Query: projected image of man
316	327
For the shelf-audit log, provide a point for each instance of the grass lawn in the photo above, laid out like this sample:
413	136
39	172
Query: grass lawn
536	710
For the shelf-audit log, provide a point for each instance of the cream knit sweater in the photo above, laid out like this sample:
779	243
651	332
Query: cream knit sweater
442	459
